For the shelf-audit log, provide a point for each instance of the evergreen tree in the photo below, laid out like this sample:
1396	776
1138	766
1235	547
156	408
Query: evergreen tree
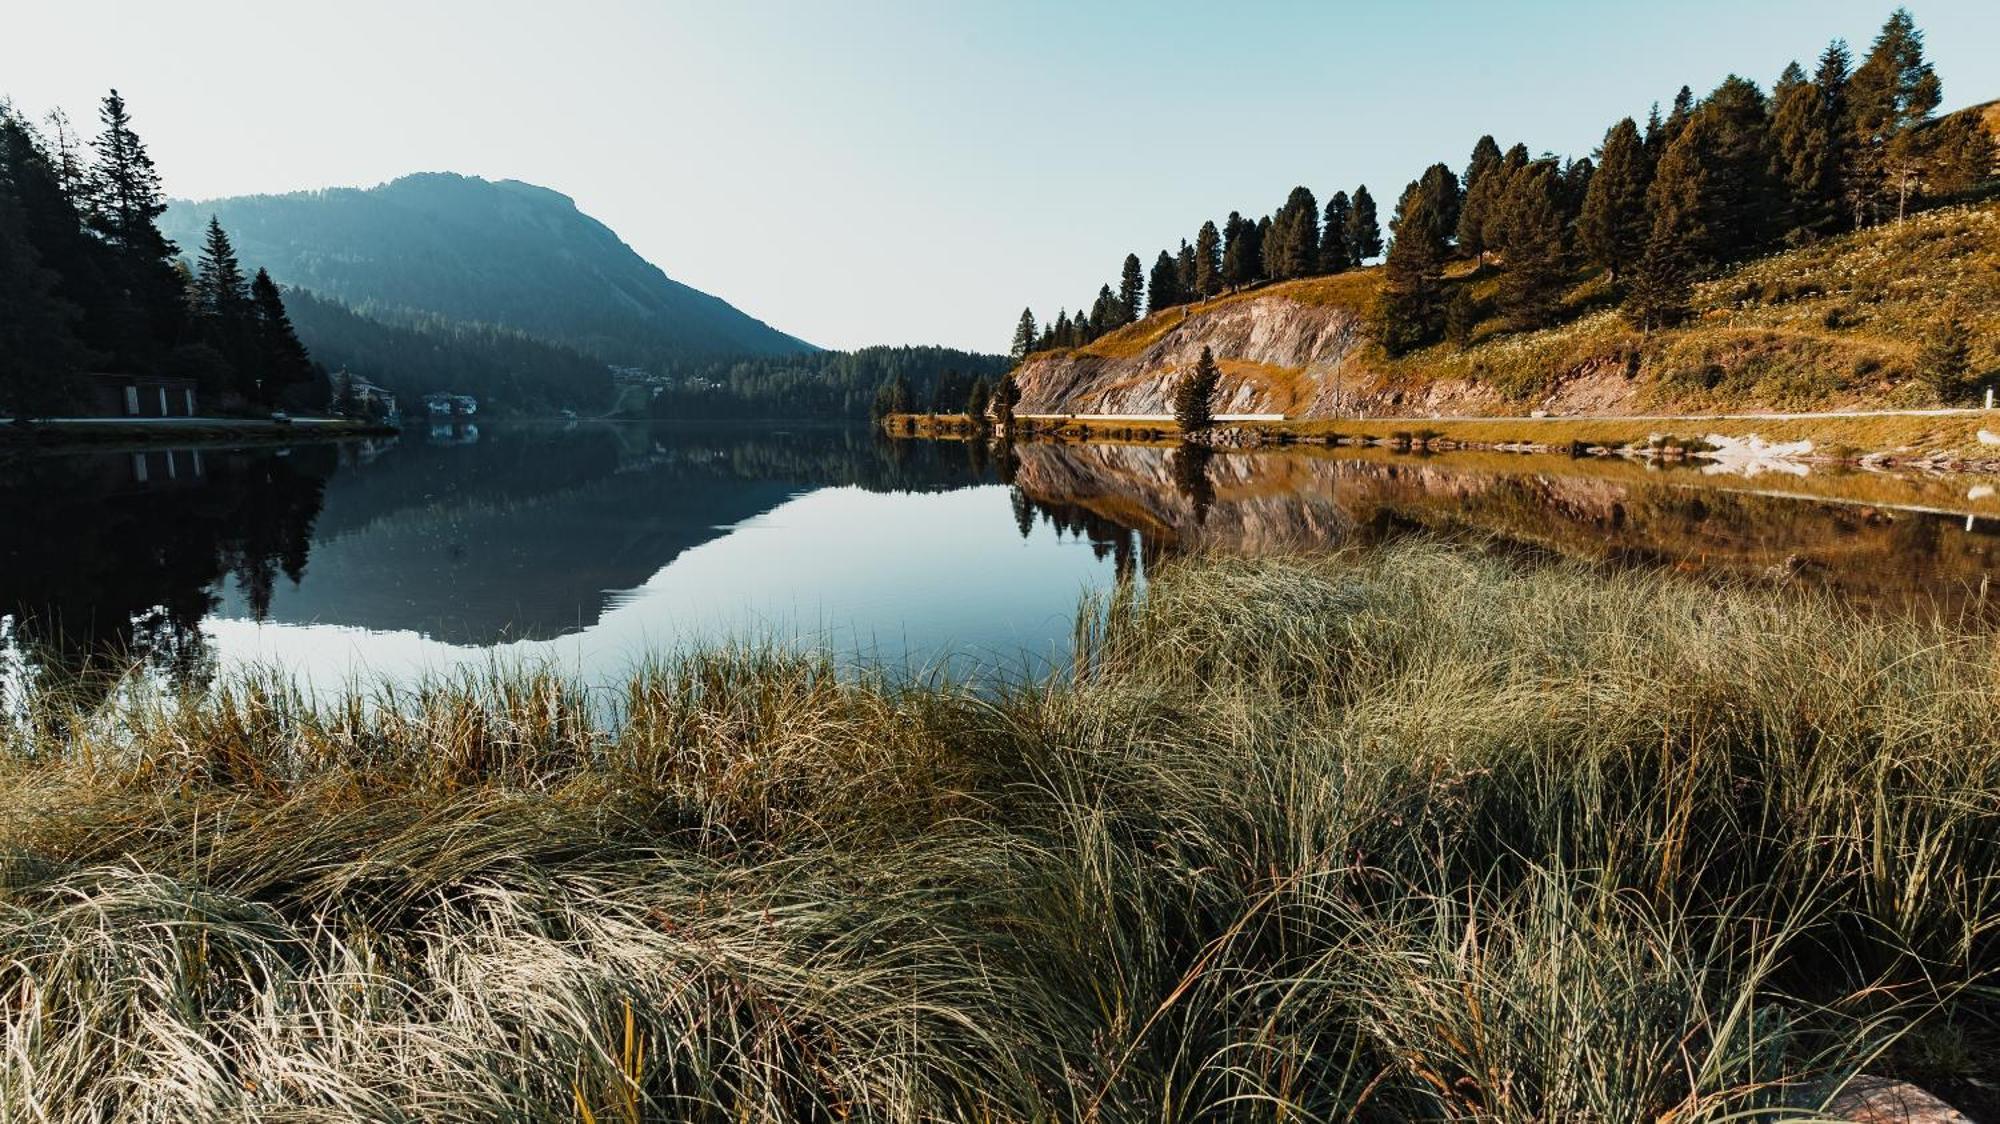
1334	255
1131	290
219	288
282	360
1961	155
1663	284
1946	358
1263	236
1447	199
1478	216
1024	334
126	202
1065	335
1292	248
1831	78
1005	397
1411	310
1165	281
1194	395
1240	253
1535	245
1461	317
1105	315
1892	91
1677	117
1742	199
977	399
1804	155
1207	262
1484	164
1364	231
39	355
1184	271
1656	134
1612	227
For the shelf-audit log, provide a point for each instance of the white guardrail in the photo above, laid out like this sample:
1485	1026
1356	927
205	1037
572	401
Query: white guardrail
1146	417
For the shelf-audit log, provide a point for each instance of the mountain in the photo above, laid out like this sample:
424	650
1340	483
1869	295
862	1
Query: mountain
506	254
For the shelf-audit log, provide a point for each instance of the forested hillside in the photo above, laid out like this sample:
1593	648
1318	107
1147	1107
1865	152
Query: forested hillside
89	283
468	250
1524	270
828	384
508	371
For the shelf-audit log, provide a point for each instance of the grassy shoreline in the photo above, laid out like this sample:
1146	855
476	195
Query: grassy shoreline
1404	833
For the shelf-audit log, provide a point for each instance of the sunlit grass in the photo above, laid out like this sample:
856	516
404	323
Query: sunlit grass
1411	833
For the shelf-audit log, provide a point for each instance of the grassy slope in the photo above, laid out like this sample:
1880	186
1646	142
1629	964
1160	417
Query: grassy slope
1833	325
1388	836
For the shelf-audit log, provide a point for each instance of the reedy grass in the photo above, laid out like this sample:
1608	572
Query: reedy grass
1412	833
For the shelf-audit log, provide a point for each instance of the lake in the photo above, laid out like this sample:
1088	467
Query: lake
587	547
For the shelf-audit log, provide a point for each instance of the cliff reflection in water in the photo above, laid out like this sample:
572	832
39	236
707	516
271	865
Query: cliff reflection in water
1881	540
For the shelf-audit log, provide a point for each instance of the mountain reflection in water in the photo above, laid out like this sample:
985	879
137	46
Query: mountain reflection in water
589	546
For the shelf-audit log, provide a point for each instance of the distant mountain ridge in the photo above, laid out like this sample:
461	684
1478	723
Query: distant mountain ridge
491	252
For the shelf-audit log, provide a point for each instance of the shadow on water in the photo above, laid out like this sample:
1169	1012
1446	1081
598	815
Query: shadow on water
467	540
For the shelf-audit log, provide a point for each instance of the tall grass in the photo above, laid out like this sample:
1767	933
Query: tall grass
1407	834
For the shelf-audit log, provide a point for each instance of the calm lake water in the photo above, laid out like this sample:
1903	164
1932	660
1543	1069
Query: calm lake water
586	547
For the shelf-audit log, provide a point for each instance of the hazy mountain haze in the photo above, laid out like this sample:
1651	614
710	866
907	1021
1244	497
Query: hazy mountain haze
901	171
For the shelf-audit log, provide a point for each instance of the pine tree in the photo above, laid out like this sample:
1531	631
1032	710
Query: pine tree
1536	249
1677	117
1334	255
1461	317
282	358
1166	280
1485	163
1411	310
1961	156
977	399
1239	254
1005	397
1262	238
1194	395
1742	199
1292	250
126	201
1184	272
1105	315
1831	78
1663	285
1892	91
1478	217
1447	199
219	288
1207	262
1131	290
1946	358
1612	227
39	354
1364	231
1804	157
1024	334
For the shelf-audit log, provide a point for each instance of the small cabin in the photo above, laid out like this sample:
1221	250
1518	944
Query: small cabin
142	396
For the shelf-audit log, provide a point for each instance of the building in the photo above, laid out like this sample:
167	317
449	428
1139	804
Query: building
442	405
142	396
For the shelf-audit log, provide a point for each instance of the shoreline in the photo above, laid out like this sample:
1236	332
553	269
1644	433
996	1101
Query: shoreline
1960	440
93	433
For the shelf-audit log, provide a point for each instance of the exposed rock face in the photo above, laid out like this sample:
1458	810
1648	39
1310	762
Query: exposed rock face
1278	355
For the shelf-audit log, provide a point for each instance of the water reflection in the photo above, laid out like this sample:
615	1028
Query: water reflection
589	545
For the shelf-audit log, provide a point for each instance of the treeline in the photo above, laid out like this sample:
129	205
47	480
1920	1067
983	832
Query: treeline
1651	211
88	283
413	353
827	384
1297	240
1717	179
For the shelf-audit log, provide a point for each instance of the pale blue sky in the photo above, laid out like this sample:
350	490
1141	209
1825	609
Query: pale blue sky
873	172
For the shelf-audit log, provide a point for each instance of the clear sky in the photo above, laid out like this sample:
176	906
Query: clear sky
905	171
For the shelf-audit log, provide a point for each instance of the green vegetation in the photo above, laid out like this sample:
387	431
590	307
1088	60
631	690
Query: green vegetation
91	284
1410	834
